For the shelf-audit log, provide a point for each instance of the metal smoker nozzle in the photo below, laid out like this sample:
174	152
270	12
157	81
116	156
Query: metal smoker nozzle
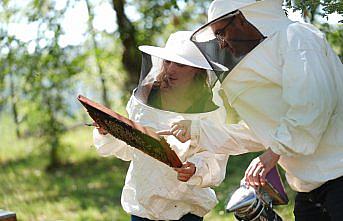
248	204
244	196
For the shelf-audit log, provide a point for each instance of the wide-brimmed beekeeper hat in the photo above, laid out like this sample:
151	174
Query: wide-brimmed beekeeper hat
180	49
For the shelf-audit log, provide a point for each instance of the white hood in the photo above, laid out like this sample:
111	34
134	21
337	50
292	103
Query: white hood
267	16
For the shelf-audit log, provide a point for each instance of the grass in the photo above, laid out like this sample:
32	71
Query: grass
87	186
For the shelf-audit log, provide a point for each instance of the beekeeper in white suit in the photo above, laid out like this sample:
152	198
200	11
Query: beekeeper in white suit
175	89
286	83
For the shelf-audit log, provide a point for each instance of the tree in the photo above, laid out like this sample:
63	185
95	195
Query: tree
54	68
127	33
96	53
46	74
8	69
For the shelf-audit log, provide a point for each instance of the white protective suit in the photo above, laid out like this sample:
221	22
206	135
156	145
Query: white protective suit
289	91
151	188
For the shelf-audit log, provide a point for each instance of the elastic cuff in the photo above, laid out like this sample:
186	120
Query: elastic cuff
280	149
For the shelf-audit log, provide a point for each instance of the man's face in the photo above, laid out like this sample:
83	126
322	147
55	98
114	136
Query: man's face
234	34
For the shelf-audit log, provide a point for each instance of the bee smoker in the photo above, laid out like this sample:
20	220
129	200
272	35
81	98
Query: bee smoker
249	204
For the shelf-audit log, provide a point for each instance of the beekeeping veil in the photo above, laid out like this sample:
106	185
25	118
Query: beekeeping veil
176	77
235	28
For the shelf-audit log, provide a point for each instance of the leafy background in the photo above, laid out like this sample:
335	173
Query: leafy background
48	167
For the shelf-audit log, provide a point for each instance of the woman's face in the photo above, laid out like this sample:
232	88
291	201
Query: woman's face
177	74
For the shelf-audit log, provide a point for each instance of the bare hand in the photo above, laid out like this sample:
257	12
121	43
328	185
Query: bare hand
255	175
186	171
180	129
101	130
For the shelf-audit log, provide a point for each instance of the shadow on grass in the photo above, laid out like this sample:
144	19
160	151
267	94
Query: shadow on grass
90	183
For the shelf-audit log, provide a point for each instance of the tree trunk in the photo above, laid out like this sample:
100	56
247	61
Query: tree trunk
131	58
97	59
13	95
54	158
52	134
2	89
14	107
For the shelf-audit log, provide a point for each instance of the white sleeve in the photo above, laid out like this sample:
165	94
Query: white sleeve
107	145
309	90
216	142
210	168
233	139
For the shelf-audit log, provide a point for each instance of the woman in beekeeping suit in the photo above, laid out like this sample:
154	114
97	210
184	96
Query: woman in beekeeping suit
175	97
286	83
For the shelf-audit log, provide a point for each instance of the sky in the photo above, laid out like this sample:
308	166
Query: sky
75	27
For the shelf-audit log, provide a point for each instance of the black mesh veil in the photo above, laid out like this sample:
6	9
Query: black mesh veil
145	66
226	41
173	86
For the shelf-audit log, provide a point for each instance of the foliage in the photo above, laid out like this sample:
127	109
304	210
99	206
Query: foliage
334	35
310	8
44	78
161	15
39	79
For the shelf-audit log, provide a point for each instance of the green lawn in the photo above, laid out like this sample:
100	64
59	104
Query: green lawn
87	187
